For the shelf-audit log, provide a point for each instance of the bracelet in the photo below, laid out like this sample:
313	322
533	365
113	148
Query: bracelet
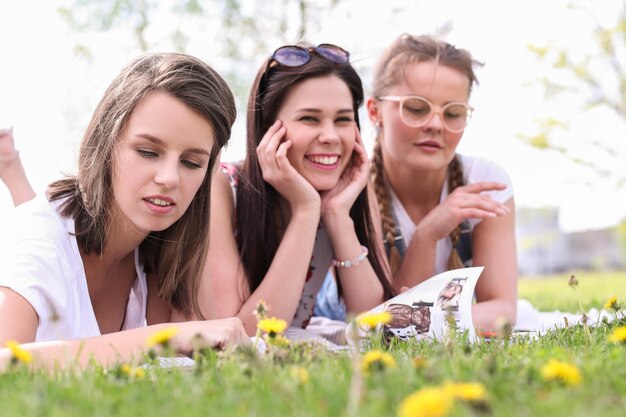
353	262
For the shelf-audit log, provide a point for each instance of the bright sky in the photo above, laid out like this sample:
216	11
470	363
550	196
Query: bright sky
48	94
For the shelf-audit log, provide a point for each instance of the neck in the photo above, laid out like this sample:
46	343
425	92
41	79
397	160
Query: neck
415	187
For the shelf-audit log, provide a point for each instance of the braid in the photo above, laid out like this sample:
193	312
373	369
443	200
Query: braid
455	179
382	194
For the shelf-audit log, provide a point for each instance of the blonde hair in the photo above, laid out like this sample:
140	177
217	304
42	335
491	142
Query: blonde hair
389	71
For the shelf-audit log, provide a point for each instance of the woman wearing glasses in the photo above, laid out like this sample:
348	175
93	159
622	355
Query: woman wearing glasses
298	203
440	210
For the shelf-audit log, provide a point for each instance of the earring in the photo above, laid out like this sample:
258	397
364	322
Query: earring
377	126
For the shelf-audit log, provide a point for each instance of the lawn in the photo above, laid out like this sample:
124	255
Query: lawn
308	381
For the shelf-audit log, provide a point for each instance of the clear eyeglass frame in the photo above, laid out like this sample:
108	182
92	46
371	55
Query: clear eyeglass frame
466	109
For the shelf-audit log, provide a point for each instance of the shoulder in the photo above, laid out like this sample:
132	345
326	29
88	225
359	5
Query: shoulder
42	263
39	219
478	169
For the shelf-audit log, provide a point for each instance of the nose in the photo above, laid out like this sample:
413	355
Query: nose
435	121
168	174
329	133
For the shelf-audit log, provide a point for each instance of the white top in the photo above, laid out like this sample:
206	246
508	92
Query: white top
475	169
44	266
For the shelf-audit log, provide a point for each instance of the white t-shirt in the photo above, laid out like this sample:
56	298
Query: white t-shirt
44	266
475	169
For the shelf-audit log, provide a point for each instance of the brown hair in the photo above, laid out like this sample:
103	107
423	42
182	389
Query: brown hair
389	71
175	255
257	220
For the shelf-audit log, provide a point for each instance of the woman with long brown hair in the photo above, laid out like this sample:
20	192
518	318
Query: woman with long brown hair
112	255
299	202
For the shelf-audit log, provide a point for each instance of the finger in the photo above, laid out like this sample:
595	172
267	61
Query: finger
482	202
281	155
479	187
269	138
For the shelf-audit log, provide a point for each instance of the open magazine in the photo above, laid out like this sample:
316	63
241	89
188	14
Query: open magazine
428	310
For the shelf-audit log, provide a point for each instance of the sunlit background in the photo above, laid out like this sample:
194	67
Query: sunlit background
570	182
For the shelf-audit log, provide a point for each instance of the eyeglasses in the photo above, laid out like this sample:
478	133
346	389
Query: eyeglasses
293	56
416	111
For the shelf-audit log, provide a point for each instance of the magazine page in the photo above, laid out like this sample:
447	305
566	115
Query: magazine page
428	310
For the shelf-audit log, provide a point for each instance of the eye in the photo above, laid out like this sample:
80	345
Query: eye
191	164
344	119
308	118
147	153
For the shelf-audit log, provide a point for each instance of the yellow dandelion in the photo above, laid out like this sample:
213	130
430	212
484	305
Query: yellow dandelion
419	362
374	319
618	335
162	337
18	353
376	360
272	326
279	341
427	402
611	304
467	391
132	372
565	373
300	374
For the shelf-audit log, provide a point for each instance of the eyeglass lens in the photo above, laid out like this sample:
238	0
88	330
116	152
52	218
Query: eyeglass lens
416	112
295	56
291	56
332	53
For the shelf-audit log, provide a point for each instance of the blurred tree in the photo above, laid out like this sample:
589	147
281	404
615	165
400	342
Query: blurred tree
594	75
240	31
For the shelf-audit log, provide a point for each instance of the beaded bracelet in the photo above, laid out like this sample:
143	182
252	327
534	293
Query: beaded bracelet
353	262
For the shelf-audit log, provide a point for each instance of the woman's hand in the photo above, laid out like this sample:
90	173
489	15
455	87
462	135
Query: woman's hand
278	171
341	198
464	202
217	334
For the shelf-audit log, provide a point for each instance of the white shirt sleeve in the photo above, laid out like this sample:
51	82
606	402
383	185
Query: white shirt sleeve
44	266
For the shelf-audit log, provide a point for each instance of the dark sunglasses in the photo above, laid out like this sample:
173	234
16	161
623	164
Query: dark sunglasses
293	56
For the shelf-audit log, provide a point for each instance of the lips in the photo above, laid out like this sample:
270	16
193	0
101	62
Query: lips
429	145
159	204
323	161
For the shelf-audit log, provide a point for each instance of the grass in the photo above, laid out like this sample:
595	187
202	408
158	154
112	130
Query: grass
242	384
552	292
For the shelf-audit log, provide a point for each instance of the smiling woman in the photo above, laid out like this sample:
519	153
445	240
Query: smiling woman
300	196
113	255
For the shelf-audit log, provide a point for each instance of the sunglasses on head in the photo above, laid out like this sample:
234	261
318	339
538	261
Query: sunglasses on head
293	56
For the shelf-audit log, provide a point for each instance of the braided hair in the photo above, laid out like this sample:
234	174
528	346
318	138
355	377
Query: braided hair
389	71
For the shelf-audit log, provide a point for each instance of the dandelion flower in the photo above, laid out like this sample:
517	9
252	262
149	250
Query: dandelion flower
566	373
419	362
279	341
18	353
573	281
467	391
611	304
427	402
131	372
300	374
260	312
376	360
162	337
618	335
272	326
374	319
